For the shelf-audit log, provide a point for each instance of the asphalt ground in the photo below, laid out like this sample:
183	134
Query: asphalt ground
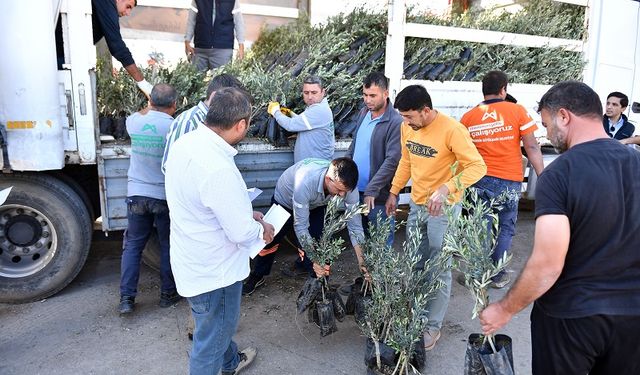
79	331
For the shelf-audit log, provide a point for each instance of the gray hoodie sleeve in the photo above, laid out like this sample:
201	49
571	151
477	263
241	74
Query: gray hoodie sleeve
238	22
315	116
356	234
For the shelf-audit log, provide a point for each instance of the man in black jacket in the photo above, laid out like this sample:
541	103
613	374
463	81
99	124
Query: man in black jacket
105	16
376	146
614	121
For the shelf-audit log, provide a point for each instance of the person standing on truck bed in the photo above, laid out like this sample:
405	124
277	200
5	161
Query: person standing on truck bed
193	117
146	199
431	143
376	147
105	15
314	126
497	127
211	25
213	229
614	120
582	275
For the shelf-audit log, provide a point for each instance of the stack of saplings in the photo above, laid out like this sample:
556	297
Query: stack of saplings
396	312
323	304
349	46
118	96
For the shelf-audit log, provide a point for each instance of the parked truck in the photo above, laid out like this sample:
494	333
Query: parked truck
64	177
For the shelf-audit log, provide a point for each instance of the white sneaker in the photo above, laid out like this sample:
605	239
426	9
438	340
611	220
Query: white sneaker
246	357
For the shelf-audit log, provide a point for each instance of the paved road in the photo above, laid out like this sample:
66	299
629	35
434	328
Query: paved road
79	330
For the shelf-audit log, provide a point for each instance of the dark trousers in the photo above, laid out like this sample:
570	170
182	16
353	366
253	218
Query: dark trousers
595	345
142	214
262	263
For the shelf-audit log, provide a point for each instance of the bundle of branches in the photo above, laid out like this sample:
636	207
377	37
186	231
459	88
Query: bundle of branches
472	239
118	95
396	315
349	46
324	304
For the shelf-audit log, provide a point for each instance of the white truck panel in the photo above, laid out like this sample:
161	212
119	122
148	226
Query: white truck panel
29	106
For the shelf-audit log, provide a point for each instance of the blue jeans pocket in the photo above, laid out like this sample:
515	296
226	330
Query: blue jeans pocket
135	206
200	304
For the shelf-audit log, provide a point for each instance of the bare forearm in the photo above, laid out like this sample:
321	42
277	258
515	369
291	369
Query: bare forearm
134	72
532	283
535	158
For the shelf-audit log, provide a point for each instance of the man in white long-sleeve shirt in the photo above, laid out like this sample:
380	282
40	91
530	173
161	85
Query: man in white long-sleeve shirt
314	126
209	242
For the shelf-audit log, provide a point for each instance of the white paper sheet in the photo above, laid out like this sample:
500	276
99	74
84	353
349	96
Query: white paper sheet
253	193
4	194
276	216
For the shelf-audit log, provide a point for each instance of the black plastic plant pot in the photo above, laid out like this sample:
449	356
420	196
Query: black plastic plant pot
360	311
419	355
388	357
480	359
326	318
339	310
310	291
106	125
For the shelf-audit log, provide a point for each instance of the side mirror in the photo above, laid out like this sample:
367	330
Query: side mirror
635	107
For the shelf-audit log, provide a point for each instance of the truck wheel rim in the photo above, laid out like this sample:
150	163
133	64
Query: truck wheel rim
28	241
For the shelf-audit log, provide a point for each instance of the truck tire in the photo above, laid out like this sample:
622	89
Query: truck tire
151	253
45	236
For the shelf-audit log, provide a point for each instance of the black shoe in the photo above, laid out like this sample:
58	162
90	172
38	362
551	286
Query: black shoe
168	299
126	304
251	284
295	269
246	357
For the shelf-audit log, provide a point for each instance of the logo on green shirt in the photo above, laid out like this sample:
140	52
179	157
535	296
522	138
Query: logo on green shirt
148	127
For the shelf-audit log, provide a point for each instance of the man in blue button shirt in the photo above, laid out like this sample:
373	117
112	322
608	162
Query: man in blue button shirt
376	146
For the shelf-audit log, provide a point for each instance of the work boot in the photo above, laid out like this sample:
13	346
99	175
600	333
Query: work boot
126	304
501	280
246	357
430	339
251	284
169	299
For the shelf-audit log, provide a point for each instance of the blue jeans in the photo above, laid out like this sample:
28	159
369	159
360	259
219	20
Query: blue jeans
373	217
432	229
216	314
491	187
142	213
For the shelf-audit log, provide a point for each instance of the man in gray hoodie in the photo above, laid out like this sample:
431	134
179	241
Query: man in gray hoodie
314	126
376	146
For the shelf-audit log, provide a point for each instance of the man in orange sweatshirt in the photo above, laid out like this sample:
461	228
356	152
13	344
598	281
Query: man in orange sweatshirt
431	143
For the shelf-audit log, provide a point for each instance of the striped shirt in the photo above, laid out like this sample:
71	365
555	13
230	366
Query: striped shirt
187	121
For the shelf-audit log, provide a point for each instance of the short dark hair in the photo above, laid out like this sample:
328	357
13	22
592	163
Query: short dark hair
313	80
574	96
221	81
163	95
413	98
229	105
378	79
493	82
624	100
346	171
